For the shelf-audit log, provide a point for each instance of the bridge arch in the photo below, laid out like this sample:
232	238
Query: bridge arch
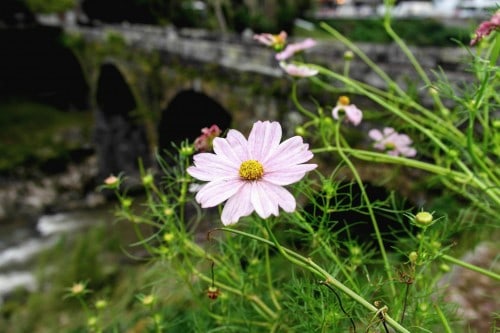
119	136
186	114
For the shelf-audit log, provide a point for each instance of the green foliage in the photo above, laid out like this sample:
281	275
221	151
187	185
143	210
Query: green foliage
311	269
24	142
420	32
50	6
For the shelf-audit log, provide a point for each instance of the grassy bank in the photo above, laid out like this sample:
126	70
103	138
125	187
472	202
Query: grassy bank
33	134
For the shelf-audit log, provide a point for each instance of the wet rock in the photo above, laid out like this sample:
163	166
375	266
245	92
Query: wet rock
476	294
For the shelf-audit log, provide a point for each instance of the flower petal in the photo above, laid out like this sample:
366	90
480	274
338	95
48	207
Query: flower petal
239	144
353	114
375	134
218	191
208	167
289	152
288	175
263	204
408	151
281	195
237	206
263	139
225	150
335	112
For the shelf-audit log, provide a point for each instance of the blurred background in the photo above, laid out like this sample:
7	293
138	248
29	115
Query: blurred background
70	116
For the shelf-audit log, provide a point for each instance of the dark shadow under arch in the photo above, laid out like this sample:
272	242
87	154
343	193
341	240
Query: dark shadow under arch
120	138
185	116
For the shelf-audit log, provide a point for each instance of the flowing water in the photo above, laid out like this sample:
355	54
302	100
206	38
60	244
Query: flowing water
22	241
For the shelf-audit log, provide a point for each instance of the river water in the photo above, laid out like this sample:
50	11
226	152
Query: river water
22	241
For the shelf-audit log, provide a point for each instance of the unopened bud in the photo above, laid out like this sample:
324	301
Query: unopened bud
348	55
299	130
168	237
148	300
444	267
187	151
101	304
126	202
423	219
452	153
413	256
147	179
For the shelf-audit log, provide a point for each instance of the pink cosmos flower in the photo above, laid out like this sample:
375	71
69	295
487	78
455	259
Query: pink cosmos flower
204	141
486	28
352	113
298	70
277	42
250	174
293	48
392	142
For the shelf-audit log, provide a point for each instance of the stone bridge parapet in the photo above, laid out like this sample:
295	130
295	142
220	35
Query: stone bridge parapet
243	54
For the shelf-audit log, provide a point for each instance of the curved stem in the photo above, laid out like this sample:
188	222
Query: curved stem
310	265
270	280
299	106
471	267
370	209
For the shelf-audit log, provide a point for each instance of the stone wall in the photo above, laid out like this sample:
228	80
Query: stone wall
243	54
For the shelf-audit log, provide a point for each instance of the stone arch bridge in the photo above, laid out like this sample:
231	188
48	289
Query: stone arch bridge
151	86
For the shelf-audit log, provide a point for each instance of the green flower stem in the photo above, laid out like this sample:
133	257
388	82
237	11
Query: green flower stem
310	265
471	267
494	51
182	195
444	321
363	57
430	118
297	103
402	45
385	158
239	321
472	197
270	280
460	177
198	251
489	189
357	177
328	250
270	314
384	76
395	110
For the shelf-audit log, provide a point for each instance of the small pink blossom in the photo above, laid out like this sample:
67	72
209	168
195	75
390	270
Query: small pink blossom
251	174
298	70
353	115
392	143
204	141
277	42
293	48
486	28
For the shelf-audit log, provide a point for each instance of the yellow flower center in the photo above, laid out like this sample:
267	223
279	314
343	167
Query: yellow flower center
390	146
251	170
344	100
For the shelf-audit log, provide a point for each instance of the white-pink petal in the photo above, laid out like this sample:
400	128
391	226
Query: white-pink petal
282	164
284	198
218	191
289	152
375	134
298	70
237	206
263	205
289	175
263	139
293	48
